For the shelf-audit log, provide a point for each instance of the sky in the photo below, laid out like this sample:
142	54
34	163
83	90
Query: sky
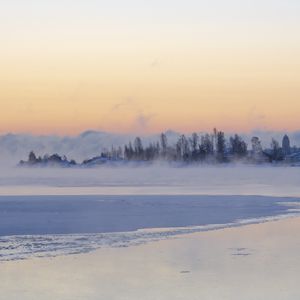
148	66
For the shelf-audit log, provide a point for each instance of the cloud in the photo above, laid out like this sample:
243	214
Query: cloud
155	63
256	118
128	102
142	120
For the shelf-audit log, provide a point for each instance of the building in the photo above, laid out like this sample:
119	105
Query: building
286	146
256	146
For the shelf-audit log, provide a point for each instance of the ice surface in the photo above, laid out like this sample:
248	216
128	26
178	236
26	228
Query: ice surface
56	225
127	206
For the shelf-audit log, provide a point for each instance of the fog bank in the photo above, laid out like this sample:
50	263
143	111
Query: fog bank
14	147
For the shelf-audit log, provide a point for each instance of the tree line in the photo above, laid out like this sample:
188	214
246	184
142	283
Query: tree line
213	147
209	147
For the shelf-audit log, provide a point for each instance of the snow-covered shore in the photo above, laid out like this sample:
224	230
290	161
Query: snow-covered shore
258	261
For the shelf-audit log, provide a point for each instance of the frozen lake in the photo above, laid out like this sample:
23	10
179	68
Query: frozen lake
58	225
38	215
49	212
100	216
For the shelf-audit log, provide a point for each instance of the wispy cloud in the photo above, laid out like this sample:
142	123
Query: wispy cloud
257	118
127	102
143	120
155	63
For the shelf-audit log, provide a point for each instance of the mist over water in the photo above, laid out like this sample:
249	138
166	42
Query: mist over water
14	147
156	179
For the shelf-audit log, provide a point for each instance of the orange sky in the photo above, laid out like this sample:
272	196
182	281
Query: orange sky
148	68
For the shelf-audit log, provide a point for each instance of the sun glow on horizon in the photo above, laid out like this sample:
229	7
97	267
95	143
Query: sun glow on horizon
68	66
